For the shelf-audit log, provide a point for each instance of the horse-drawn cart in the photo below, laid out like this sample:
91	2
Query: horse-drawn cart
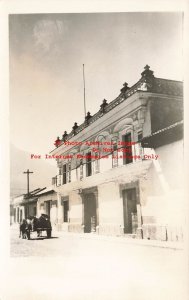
36	224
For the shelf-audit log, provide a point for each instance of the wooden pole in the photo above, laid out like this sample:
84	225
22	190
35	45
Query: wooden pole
28	184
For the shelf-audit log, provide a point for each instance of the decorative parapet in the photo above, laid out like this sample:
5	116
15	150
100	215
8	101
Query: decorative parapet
147	83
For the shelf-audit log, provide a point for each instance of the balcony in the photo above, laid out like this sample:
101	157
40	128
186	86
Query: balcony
117	158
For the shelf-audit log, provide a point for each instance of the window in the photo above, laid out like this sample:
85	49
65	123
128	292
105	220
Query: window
64	174
127	149
54	181
96	162
81	169
114	154
88	164
69	171
59	177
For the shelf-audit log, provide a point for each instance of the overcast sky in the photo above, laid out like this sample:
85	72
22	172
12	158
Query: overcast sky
47	53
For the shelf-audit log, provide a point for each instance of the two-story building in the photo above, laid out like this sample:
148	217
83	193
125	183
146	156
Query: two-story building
120	171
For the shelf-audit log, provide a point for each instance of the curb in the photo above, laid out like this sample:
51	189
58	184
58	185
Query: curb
126	240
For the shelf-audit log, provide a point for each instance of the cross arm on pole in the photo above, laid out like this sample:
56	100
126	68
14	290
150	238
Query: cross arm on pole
28	172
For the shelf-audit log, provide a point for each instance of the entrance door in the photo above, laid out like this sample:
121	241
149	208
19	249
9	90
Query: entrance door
66	209
48	208
129	209
90	215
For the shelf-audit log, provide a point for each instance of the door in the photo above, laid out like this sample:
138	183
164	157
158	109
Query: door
129	209
48	208
90	215
66	209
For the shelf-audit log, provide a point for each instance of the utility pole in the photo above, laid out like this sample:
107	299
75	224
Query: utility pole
28	173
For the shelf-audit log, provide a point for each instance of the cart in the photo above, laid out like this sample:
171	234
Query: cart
42	224
35	224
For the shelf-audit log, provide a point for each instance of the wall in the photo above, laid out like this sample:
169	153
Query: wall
41	206
163	112
110	209
75	212
162	195
32	207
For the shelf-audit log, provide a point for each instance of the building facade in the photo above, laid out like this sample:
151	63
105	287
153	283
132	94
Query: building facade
114	177
108	178
39	201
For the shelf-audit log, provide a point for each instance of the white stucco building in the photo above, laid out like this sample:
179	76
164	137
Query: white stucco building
137	189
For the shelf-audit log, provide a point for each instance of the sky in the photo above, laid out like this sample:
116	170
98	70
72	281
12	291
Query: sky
47	53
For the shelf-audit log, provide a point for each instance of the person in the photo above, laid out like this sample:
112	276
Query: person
23	229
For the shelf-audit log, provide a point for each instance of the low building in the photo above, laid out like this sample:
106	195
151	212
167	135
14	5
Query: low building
47	204
37	202
17	209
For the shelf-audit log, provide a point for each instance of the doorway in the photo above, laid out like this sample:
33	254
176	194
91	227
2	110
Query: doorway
65	210
48	208
90	214
129	209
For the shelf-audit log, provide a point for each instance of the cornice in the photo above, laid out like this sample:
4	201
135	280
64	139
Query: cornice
124	110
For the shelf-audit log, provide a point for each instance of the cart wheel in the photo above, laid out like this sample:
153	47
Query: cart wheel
49	233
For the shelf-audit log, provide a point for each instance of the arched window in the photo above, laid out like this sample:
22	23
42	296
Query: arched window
81	168
127	148
100	139
64	173
88	164
69	170
114	142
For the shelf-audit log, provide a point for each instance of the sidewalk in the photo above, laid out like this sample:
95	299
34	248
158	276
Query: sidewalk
119	239
124	239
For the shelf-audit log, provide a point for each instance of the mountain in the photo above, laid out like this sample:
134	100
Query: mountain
20	161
